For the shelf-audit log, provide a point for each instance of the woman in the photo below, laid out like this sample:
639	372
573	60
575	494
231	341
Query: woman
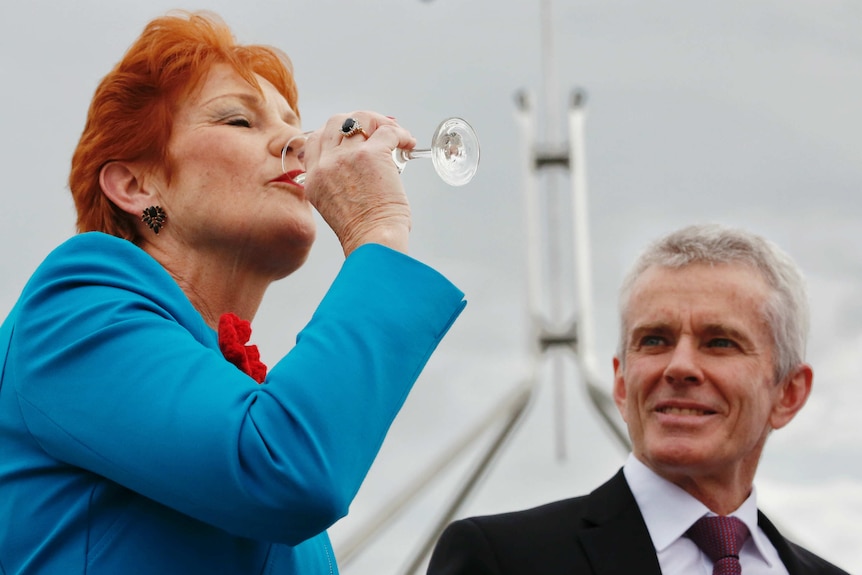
134	433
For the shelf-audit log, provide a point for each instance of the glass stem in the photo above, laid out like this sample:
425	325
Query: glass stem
415	154
401	157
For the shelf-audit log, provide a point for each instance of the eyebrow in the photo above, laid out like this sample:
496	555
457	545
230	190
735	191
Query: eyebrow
711	329
717	329
254	100
249	97
652	326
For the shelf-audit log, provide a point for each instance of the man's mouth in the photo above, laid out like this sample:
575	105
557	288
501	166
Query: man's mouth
684	411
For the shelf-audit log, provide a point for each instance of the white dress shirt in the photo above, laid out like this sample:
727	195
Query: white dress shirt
669	511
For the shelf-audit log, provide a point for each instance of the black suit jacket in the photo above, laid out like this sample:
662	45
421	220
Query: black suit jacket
602	533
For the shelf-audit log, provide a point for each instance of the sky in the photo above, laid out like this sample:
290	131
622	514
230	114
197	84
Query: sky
739	112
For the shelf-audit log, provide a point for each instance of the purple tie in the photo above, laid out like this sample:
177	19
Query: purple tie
720	538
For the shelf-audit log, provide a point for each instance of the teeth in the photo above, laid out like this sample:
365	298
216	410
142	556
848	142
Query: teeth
682	411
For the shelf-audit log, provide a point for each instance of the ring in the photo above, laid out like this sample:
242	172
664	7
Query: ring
351	127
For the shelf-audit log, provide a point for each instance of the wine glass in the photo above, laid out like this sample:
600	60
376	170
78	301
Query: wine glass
454	152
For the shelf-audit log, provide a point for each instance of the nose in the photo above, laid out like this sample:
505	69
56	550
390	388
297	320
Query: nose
295	146
683	367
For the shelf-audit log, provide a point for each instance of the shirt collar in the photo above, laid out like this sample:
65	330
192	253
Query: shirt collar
655	495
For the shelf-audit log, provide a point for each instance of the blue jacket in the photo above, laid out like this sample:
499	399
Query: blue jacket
129	445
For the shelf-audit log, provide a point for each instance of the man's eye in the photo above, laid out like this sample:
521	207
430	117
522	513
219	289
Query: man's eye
652	340
242	122
721	342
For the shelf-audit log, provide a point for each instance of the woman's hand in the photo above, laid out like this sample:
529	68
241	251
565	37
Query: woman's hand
354	184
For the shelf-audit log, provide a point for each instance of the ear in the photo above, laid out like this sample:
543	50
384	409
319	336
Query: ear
122	183
619	387
792	393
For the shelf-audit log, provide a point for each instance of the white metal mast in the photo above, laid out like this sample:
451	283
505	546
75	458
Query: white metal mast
559	301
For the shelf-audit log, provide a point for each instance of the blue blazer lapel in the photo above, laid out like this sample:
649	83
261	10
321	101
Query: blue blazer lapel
616	540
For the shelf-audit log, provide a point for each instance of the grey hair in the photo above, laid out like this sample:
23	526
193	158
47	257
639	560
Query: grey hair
785	311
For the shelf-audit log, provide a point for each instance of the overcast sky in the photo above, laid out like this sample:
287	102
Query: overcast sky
741	112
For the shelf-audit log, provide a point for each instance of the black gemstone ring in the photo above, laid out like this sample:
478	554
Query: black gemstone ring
351	127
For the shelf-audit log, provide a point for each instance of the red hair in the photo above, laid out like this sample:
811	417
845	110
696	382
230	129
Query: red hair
132	111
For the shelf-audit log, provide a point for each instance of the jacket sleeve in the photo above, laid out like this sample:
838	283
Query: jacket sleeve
463	549
126	382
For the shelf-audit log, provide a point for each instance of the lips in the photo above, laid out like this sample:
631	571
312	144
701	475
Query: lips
289	177
292	174
683	408
684	411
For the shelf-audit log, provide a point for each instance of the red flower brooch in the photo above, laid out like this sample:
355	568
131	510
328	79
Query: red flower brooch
233	335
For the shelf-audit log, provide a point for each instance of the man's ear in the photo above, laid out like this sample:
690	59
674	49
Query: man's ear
792	393
122	183
619	387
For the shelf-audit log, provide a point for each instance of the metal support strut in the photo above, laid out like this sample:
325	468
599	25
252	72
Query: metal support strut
559	295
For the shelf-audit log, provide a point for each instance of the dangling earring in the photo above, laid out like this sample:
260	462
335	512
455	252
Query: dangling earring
155	218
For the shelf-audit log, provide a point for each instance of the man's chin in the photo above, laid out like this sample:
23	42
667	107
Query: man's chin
676	456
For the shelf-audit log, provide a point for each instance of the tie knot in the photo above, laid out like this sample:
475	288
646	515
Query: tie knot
719	537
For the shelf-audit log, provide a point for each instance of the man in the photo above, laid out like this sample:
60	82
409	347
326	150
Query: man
710	361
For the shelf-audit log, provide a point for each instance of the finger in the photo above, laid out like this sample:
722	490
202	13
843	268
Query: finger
373	120
384	133
358	125
393	136
386	127
353	127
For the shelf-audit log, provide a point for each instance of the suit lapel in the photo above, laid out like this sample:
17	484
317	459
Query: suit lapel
616	540
785	551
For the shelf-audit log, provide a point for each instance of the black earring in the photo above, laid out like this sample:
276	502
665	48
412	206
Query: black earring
155	218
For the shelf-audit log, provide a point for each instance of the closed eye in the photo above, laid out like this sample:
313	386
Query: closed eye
241	122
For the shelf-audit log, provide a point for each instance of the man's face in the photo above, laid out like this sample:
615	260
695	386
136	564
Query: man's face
697	387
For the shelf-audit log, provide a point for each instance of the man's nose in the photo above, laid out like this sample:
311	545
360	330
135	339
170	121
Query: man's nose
683	367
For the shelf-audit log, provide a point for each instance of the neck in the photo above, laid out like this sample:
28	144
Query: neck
213	284
722	488
720	497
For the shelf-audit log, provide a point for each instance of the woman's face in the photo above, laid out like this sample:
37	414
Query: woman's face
226	195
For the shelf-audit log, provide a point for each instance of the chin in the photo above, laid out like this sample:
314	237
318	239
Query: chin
297	237
676	453
288	265
281	255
